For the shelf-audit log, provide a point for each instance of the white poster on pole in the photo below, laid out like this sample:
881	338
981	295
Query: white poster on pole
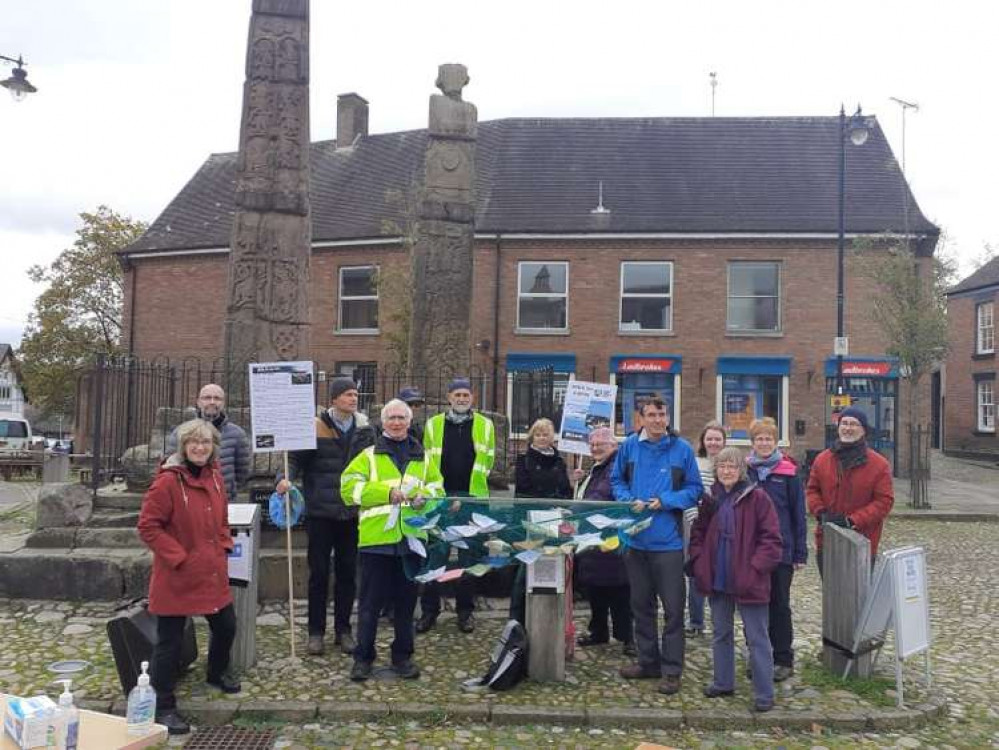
587	407
282	406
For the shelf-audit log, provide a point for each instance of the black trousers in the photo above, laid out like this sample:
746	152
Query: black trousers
464	590
166	653
781	628
328	536
615	602
383	580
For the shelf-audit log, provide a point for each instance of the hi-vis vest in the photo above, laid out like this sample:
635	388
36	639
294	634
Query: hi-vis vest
484	441
367	481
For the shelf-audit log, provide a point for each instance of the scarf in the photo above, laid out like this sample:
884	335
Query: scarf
851	455
764	466
456	417
543	451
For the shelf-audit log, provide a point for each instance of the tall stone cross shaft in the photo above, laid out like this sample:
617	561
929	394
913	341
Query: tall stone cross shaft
442	254
267	317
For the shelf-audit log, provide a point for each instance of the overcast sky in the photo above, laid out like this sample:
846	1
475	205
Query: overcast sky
134	94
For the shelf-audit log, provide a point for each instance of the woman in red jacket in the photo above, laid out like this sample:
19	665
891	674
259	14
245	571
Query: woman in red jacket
850	484
735	544
184	521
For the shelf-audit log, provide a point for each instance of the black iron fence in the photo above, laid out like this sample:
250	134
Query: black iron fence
127	408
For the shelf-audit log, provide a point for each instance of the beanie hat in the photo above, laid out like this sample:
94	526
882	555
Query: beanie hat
858	414
410	394
340	385
459	384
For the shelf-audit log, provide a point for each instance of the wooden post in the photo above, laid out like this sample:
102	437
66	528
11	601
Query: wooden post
546	605
846	582
291	575
244	648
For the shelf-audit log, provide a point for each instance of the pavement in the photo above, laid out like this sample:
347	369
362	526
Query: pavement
958	488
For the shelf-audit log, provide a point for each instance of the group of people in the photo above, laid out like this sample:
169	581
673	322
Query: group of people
744	535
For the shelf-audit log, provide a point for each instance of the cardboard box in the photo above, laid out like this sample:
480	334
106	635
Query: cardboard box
28	720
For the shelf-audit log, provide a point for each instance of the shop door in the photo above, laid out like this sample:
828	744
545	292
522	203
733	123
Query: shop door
877	398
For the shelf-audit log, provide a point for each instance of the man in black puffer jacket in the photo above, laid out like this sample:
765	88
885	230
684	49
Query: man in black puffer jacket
341	433
234	453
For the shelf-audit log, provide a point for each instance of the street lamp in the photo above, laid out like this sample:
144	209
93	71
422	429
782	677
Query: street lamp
17	84
857	130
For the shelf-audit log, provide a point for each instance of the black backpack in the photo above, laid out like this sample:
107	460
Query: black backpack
508	663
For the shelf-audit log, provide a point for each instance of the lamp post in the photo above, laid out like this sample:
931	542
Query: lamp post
17	84
857	131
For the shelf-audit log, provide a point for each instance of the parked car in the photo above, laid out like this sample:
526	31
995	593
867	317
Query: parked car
15	434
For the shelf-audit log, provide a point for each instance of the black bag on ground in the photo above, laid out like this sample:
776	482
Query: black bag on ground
508	663
132	634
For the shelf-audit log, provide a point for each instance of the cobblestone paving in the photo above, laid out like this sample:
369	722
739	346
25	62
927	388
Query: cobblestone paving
962	564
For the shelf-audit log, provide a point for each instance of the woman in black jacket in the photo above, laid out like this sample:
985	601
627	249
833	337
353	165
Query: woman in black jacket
541	471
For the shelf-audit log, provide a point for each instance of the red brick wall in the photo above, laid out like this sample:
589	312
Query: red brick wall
167	323
960	410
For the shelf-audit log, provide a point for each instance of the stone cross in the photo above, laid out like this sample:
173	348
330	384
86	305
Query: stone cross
442	253
267	317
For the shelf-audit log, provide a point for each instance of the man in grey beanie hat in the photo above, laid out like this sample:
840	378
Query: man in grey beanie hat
341	433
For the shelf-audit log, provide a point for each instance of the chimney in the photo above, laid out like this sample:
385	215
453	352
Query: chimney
351	119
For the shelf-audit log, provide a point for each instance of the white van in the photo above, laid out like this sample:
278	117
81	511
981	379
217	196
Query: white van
15	434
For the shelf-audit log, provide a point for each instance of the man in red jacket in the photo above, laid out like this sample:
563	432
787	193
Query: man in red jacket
850	484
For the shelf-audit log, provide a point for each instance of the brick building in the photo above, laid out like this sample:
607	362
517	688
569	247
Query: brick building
970	374
695	257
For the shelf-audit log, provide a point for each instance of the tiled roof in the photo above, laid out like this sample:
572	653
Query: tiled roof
987	275
660	175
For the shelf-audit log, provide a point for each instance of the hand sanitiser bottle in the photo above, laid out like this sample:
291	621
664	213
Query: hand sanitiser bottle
141	705
67	721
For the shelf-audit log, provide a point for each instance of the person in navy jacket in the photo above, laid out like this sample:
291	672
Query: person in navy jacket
777	475
656	471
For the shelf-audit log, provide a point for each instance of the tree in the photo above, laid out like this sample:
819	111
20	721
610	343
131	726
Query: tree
910	307
396	283
79	314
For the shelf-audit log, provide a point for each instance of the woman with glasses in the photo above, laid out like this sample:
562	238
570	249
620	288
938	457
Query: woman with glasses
184	521
735	544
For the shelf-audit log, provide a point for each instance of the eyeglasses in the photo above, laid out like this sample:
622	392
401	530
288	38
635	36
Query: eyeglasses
201	441
726	467
850	422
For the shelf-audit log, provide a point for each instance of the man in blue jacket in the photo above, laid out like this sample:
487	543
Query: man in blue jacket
657	473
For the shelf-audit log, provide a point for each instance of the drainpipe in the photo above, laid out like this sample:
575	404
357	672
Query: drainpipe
496	314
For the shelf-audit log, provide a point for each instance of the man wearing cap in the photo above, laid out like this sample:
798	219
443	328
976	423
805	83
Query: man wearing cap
412	397
461	443
341	433
850	484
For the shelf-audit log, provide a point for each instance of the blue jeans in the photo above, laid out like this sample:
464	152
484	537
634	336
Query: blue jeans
755	618
695	605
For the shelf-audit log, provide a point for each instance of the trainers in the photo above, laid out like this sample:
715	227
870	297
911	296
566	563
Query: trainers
426	622
628	649
670	684
716	692
466	623
173	722
226	683
407	670
315	646
360	671
346	643
782	672
638	672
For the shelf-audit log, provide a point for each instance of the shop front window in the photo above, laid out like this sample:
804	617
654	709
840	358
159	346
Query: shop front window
748	397
632	389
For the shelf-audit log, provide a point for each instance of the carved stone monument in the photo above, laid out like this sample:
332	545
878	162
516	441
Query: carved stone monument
442	254
267	317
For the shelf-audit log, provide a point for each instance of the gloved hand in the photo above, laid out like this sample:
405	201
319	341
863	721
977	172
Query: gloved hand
837	519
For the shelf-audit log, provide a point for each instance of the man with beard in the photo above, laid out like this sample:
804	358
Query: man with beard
850	484
234	454
461	444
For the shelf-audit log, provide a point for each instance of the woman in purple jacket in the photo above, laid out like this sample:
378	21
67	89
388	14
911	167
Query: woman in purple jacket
735	544
602	574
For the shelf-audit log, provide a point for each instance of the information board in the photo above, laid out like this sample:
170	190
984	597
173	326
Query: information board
912	611
282	406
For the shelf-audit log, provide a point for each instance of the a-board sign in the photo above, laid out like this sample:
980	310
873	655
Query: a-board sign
912	610
587	407
282	406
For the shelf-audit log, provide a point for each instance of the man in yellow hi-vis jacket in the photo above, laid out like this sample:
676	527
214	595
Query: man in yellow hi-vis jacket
461	443
390	481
